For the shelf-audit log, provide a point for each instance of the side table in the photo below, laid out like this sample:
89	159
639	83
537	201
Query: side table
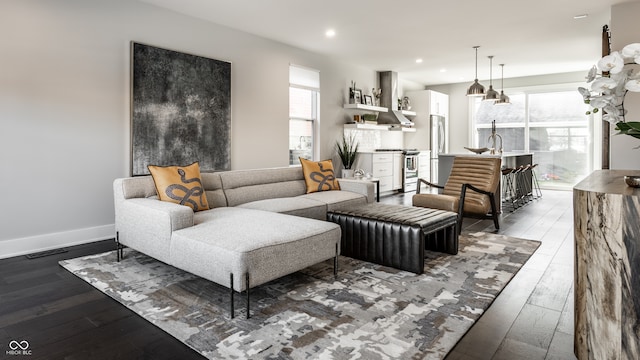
369	179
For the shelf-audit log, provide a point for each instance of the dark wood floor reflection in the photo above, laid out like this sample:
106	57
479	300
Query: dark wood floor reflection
62	317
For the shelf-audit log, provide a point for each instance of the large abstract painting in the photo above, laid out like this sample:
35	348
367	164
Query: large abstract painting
180	110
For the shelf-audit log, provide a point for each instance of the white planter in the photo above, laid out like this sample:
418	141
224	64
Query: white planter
347	173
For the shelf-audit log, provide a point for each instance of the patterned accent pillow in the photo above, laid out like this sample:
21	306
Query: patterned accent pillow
180	185
318	175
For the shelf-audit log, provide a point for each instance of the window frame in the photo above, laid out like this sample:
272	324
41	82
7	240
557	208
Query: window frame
594	123
315	111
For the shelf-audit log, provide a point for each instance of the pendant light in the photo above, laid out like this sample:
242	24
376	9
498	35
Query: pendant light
476	89
491	95
503	99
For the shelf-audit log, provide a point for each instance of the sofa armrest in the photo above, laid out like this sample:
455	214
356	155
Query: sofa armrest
147	224
366	188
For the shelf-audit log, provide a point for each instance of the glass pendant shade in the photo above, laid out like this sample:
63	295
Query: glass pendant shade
502	99
476	89
491	95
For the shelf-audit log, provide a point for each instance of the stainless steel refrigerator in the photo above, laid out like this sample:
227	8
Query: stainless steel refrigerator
439	142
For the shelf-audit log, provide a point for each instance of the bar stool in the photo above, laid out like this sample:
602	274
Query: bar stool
521	193
536	185
527	183
508	188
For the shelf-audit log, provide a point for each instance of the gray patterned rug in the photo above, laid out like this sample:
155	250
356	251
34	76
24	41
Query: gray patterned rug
370	312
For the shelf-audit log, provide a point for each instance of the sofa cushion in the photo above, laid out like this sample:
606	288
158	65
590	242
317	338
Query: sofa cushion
180	185
337	199
243	186
265	244
319	175
213	188
298	206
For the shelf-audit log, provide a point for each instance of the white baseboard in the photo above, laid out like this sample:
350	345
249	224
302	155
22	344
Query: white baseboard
33	244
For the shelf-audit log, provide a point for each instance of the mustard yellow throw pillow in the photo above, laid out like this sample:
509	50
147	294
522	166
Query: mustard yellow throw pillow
318	175
181	185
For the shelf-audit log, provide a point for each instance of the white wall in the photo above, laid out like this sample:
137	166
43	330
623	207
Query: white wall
64	108
625	29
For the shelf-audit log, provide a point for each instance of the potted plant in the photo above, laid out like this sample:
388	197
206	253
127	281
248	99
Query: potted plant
348	151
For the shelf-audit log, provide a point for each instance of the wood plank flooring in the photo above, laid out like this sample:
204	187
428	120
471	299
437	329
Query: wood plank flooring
62	317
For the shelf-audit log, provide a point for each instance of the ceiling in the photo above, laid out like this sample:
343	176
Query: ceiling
529	37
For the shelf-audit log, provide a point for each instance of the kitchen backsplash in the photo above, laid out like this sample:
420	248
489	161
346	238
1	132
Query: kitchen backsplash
376	139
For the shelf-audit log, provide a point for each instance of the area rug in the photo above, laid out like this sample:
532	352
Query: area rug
369	312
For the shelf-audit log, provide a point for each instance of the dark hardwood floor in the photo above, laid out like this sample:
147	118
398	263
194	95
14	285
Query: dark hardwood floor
62	317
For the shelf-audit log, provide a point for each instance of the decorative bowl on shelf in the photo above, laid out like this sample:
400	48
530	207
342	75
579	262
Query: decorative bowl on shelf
477	150
633	181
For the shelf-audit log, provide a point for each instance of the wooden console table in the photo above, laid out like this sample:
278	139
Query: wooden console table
606	216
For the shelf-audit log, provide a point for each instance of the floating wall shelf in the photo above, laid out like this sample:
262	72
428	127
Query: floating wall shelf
365	107
379	127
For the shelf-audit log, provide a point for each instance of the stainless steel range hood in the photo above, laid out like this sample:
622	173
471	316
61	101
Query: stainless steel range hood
388	81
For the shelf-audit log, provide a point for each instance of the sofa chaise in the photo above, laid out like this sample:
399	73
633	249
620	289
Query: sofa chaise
262	225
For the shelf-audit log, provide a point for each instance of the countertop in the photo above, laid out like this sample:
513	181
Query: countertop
369	151
487	154
609	182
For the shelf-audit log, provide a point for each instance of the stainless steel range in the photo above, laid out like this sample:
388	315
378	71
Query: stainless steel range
409	168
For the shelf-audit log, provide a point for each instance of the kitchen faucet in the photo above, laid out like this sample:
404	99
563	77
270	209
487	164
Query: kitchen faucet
492	138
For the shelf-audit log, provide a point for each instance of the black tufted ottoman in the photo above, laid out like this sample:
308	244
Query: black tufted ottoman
395	235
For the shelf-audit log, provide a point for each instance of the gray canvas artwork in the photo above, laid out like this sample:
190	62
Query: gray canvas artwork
181	110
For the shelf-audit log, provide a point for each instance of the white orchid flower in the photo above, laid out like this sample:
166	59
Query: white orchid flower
584	92
612	114
621	79
592	74
633	85
607	92
632	51
613	63
611	117
604	85
601	101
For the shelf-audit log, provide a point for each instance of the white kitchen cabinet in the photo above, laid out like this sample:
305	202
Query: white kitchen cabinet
397	171
424	165
429	102
425	103
439	103
380	165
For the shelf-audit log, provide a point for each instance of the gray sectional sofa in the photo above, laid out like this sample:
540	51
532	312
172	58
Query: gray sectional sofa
262	225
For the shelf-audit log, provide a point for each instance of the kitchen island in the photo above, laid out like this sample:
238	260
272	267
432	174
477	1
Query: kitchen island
509	159
607	266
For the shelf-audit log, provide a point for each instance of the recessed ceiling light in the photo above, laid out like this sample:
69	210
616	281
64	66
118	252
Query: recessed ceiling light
581	16
443	70
330	33
418	61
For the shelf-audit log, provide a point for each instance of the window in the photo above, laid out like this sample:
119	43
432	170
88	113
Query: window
304	98
549	123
